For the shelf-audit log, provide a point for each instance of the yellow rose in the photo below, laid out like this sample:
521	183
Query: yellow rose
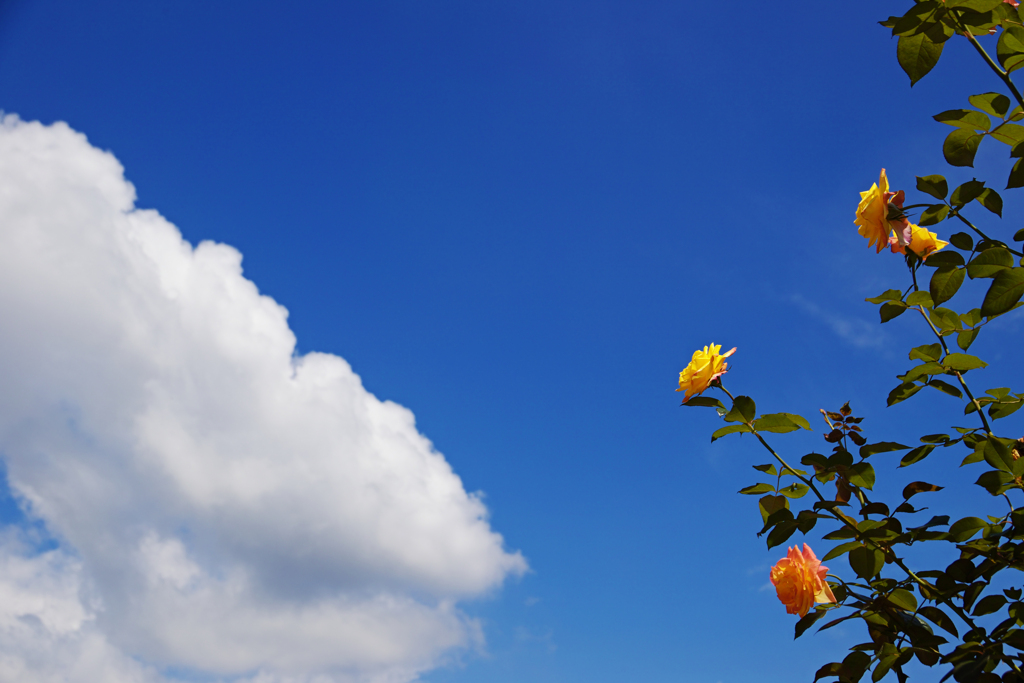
873	220
705	367
799	581
922	242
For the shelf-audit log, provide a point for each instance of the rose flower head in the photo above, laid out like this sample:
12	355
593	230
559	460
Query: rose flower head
799	581
705	367
921	242
879	213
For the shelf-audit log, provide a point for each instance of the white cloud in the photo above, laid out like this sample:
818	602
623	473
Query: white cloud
855	331
222	506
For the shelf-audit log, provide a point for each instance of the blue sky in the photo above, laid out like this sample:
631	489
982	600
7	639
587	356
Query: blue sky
518	221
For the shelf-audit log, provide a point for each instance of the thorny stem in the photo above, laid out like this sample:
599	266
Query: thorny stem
945	349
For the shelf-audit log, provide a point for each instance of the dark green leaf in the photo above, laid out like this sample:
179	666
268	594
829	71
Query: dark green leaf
945	283
945	387
881	447
961	240
730	429
963	529
940	619
917	56
1009	133
1010	48
891	309
944	258
840	550
988	605
1016	178
916	455
935	213
966	338
975	5
887	295
866	562
964	118
1001	410
1005	292
991	200
862	474
807	621
992	102
916	487
1019	235
757	488
927	352
903	599
902	393
935	185
989	262
960	146
963	362
996	454
781	533
920	298
769	505
743	410
995	481
970	190
704	402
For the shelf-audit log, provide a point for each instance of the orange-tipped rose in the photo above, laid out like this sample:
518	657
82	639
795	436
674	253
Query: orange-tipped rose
922	242
799	581
705	367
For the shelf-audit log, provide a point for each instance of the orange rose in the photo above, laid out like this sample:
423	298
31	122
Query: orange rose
799	581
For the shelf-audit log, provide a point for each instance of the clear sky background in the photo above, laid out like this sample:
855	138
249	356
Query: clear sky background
517	220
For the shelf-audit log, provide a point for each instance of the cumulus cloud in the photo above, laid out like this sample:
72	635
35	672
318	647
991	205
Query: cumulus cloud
222	506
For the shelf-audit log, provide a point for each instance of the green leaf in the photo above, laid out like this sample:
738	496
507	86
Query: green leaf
841	549
963	529
887	295
996	454
1016	178
945	319
961	240
988	605
917	56
780	423
966	338
989	262
757	488
945	283
969	191
927	352
911	22
891	309
960	146
991	200
1009	134
944	258
995	481
916	487
767	469
902	393
1001	410
964	118
1010	48
866	562
704	402
971	317
963	362
794	490
935	213
881	447
945	388
974	5
769	505
1005	292
807	621
916	455
935	185
1019	235
781	533
993	103
903	599
940	619
920	298
861	474
731	429
743	410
